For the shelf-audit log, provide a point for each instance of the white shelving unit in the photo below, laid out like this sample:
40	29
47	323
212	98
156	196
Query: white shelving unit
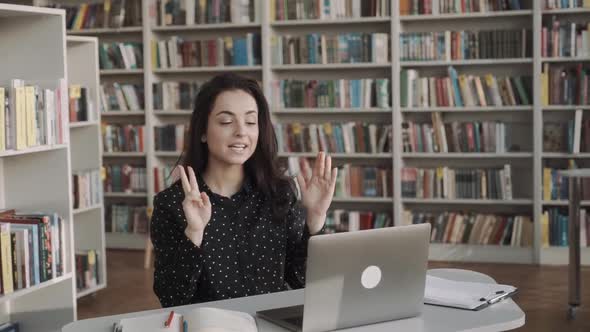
528	161
33	48
556	255
86	146
524	160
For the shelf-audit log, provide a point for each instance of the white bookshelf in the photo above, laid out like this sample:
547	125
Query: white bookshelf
555	255
39	178
523	203
528	161
86	147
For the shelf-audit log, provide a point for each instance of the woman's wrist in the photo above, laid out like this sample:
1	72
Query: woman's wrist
196	236
315	222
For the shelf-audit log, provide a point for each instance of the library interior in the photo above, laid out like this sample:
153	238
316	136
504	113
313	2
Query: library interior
294	165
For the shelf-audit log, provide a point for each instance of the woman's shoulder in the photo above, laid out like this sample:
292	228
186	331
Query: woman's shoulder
172	194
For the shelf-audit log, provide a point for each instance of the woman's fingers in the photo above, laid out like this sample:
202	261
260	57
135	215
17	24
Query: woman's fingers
205	199
184	180
333	179
301	182
328	168
193	179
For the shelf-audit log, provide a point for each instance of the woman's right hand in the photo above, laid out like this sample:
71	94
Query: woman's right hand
196	205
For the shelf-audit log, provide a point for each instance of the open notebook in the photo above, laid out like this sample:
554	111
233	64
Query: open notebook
198	320
464	295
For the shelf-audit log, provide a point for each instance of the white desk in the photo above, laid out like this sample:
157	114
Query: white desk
502	316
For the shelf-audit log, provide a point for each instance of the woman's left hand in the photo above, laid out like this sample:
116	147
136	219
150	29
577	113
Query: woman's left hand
317	191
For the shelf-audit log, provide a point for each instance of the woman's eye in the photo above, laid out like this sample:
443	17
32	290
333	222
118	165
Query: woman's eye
226	122
251	123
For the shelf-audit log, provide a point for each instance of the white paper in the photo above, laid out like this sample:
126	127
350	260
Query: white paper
466	295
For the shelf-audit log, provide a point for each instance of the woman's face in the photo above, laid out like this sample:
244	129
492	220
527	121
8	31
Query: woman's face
232	129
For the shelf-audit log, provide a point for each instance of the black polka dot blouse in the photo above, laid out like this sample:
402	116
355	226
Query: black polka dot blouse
243	251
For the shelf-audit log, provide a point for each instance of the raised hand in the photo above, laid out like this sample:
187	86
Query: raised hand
196	205
317	191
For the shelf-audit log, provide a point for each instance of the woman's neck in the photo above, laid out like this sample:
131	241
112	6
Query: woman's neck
224	179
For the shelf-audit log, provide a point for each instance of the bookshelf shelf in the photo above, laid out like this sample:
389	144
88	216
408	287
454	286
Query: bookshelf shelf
513	155
172	112
480	253
167	154
338	155
565	155
560	255
123	154
211	69
563	203
87	209
487	15
91	290
566	11
107	31
121	72
309	111
37	149
332	66
206	27
566	107
468	201
483	109
569	59
385	200
83	124
344	21
124	195
26	291
474	62
122	113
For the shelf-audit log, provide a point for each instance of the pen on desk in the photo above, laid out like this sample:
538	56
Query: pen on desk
169	320
184	326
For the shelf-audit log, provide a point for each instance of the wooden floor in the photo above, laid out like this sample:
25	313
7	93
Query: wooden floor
543	291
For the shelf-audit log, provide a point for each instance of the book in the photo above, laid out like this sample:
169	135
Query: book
199	319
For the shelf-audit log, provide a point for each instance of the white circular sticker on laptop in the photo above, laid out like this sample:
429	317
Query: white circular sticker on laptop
371	277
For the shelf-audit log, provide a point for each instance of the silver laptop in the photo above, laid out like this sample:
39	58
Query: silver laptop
360	278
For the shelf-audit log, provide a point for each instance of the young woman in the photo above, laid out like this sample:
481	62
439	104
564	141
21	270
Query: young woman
232	226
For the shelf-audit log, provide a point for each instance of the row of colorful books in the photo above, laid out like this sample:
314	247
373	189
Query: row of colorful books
457	136
284	10
125	218
475	228
177	52
341	93
87	189
349	137
457	183
33	249
123	138
437	7
565	39
319	48
121	97
124	178
87	267
33	114
189	12
464	45
462	90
